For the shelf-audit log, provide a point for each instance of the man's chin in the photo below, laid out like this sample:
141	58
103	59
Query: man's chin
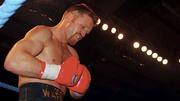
72	43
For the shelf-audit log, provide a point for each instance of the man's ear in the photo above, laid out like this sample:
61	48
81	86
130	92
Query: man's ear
68	17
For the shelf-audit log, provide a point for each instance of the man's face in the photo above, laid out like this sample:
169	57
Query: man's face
79	28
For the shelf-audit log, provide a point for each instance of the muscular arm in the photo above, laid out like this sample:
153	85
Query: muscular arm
21	58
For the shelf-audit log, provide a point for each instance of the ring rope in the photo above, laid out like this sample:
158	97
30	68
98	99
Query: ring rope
7	9
9	87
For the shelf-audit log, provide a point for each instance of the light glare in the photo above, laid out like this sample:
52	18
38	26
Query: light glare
113	30
104	27
143	48
154	55
165	61
120	36
159	58
98	21
149	52
136	44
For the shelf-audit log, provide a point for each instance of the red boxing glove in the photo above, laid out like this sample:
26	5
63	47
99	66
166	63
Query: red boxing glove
84	82
67	74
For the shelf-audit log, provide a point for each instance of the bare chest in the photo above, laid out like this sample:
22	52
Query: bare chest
56	53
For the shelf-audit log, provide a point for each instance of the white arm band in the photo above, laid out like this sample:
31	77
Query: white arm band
51	71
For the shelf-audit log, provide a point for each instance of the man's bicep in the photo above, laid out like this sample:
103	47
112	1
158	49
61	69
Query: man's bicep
34	40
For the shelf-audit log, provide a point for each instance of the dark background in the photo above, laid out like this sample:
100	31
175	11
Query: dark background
119	72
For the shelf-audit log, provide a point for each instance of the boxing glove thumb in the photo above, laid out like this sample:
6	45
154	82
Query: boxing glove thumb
83	83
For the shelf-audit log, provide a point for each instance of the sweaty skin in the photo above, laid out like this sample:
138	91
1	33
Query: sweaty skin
49	44
52	52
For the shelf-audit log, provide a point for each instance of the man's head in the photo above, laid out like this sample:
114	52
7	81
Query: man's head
79	21
83	9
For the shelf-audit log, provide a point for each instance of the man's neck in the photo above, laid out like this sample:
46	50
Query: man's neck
60	33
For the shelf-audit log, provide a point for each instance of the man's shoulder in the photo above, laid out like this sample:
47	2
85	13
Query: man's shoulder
39	32
41	28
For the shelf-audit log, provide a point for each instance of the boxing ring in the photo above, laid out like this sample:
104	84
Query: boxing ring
7	9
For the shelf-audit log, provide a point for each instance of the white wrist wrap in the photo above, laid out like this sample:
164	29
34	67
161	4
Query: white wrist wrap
51	71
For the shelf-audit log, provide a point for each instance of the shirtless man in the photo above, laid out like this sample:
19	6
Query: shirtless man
46	63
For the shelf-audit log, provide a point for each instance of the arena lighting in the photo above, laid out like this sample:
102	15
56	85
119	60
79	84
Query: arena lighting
159	58
120	36
143	48
179	60
98	21
165	61
154	55
104	27
113	30
149	52
136	44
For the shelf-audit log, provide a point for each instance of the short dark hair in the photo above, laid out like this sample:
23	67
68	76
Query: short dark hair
83	9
